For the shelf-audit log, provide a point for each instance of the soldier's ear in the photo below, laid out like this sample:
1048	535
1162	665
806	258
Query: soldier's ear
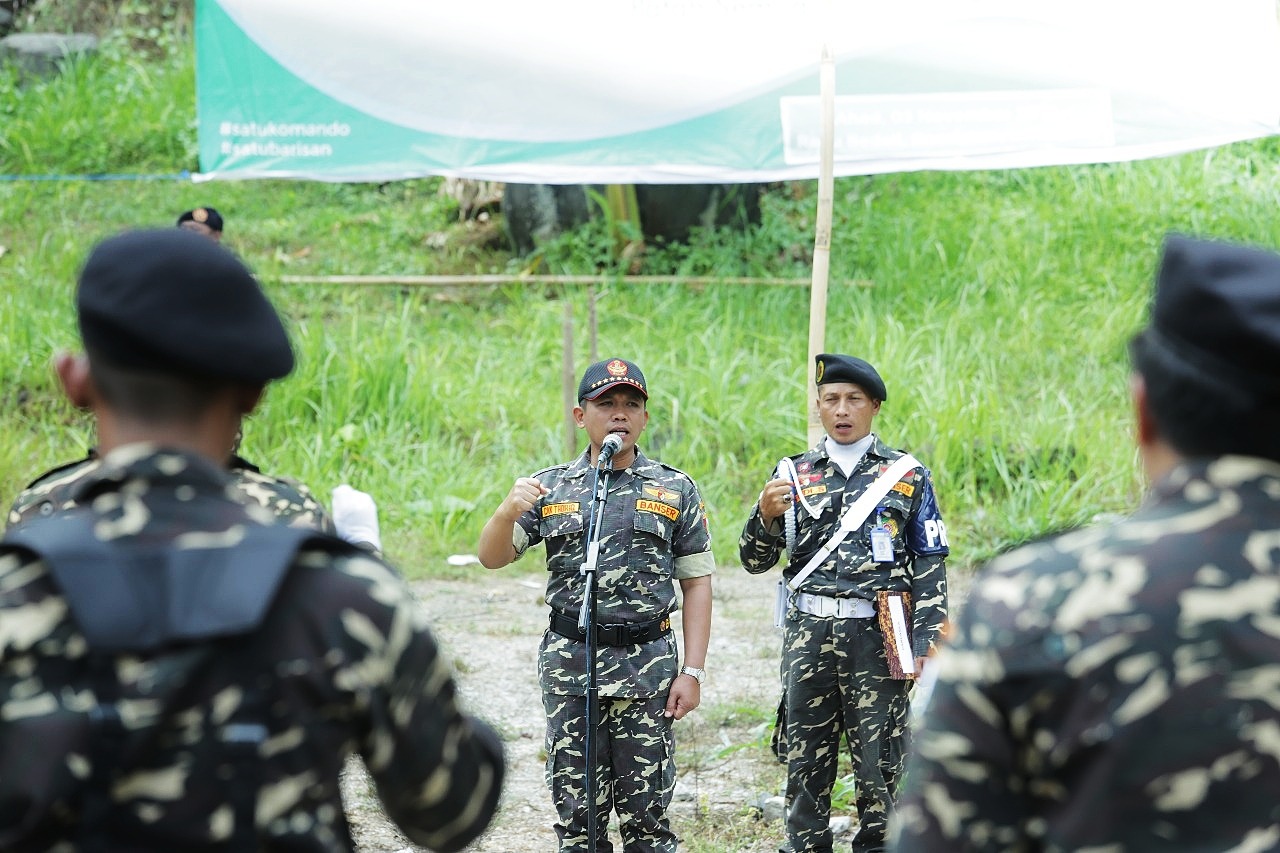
73	375
1145	428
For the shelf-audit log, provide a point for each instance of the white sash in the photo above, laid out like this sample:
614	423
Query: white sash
856	514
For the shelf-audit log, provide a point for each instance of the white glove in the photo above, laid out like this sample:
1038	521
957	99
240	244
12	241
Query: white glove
355	516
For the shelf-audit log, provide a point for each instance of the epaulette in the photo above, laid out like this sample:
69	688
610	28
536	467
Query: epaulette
239	463
91	456
562	466
662	464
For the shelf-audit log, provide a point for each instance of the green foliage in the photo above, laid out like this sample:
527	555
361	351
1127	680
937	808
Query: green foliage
996	305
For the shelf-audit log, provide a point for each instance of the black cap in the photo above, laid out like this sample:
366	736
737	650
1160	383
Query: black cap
204	216
603	375
832	367
1216	313
172	301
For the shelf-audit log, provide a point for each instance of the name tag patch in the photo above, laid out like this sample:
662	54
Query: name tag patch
659	508
905	488
559	509
813	490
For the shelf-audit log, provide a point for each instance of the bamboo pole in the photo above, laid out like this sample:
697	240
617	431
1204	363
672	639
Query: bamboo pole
821	241
490	280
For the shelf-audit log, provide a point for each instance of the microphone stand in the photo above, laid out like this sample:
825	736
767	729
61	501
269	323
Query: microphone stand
587	624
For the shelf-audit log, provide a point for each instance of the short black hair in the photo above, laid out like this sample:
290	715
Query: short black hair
1199	415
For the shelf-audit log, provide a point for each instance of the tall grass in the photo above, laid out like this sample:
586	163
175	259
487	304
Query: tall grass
996	305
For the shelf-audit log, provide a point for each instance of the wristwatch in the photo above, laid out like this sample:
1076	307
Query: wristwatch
699	674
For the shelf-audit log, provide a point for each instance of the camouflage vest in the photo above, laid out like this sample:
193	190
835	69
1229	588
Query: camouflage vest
127	596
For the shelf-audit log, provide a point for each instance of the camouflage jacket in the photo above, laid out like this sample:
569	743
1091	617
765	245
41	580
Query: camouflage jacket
654	532
289	500
341	660
1115	687
909	510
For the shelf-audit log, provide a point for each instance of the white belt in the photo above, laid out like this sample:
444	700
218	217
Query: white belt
840	608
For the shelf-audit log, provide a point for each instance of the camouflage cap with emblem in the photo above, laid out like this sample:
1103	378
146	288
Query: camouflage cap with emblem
832	367
610	373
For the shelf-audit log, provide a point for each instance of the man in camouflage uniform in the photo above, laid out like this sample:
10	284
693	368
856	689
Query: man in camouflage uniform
1118	687
836	674
653	532
178	671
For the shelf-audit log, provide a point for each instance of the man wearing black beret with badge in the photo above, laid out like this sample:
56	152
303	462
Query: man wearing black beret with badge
862	601
179	671
1118	687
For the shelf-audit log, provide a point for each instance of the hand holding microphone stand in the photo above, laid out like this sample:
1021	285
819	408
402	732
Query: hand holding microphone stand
587	621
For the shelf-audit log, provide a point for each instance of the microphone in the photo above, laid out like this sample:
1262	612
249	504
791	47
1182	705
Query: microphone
612	444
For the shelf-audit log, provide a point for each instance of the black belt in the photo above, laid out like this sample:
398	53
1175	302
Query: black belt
622	634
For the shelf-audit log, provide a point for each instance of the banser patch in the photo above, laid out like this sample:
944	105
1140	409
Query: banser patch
559	509
659	508
906	488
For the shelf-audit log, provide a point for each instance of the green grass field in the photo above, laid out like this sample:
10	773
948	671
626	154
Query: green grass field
996	305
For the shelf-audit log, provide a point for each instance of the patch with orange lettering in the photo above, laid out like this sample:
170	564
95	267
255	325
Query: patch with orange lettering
659	508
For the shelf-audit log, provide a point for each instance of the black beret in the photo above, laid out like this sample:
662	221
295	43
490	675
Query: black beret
603	375
831	367
1216	313
175	302
204	216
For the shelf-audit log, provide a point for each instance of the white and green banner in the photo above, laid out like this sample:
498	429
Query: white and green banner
708	91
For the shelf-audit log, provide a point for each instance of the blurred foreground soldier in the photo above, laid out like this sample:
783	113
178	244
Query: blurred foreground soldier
57	489
654	532
862	601
202	220
1118	687
177	670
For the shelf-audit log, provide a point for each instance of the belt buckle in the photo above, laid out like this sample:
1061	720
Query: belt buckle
823	606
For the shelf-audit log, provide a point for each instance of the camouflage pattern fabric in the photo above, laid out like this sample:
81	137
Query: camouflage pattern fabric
1115	688
836	680
289	500
654	532
834	674
345	663
630	733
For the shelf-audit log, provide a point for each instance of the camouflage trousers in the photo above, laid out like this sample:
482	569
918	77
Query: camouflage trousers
635	772
836	681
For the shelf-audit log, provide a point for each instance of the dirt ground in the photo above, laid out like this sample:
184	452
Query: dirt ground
490	628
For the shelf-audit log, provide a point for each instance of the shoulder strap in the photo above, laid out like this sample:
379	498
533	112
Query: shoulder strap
127	596
856	514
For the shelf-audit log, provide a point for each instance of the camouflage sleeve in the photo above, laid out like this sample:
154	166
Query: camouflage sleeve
964	788
691	543
438	771
929	549
929	602
760	546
